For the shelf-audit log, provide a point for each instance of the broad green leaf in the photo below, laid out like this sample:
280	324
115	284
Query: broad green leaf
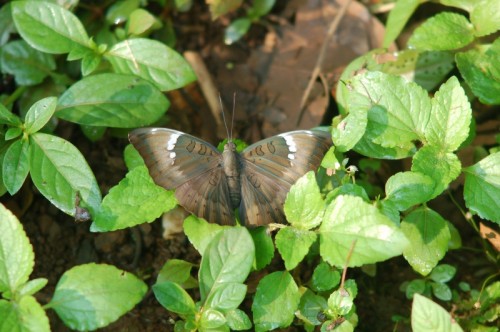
174	298
443	167
16	165
260	8
398	112
6	24
398	17
443	273
135	200
59	171
482	187
441	291
347	189
13	132
222	7
428	234
426	68
304	205
7	117
481	72
443	32
407	189
324	277
427	316
275	302
24	315
48	27
310	306
16	253
450	117
119	11
39	114
486	17
416	286
212	319
140	21
349	220
466	5
29	66
175	270
132	157
93	133
293	245
238	320
200	233
227	258
340	303
226	296
264	247
153	61
112	100
236	30
91	296
347	131
33	286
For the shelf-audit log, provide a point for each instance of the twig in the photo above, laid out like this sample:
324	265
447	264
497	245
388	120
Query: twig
319	62
348	258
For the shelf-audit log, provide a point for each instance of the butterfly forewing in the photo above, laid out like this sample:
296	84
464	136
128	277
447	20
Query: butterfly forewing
271	166
189	165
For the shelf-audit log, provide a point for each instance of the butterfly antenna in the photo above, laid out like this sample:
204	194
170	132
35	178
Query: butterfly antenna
232	116
224	118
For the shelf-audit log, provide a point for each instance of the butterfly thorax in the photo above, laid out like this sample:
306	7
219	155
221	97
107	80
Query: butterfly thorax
232	167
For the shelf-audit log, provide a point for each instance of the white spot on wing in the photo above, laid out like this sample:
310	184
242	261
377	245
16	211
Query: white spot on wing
172	155
172	141
292	147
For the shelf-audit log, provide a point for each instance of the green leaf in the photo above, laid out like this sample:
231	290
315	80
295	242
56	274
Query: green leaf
310	306
238	320
29	66
427	316
346	132
486	17
39	114
416	286
481	72
48	27
264	247
407	189
59	171
293	245
340	303
398	112
25	315
260	8
429	235
118	12
226	296
153	61
347	189
175	270
275	302
213	319
349	220
450	117
16	165
304	205
112	100
398	17
7	117
174	298
200	233
222	7
324	277
227	258
91	296
443	273
482	187
135	200
443	32
33	286
132	157
13	132
443	167
441	291
16	253
236	30
140	21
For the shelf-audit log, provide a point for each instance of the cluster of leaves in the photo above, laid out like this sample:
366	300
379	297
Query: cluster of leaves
386	114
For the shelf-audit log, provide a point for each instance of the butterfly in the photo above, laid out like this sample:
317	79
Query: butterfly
212	185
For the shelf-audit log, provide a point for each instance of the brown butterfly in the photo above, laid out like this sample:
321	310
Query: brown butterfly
212	185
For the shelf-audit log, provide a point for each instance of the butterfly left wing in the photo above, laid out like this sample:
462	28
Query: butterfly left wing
271	166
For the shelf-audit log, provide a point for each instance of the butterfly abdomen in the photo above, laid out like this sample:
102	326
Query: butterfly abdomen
232	170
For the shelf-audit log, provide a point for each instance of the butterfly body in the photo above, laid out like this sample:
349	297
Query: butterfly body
212	185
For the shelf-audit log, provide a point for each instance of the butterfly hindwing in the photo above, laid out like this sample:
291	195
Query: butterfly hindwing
271	166
189	165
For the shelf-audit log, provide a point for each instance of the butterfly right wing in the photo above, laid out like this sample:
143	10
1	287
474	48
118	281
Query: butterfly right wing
189	165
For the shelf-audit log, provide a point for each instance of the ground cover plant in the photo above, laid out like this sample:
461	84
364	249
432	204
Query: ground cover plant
422	105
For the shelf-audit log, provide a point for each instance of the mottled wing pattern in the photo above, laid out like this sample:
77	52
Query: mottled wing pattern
189	165
271	166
